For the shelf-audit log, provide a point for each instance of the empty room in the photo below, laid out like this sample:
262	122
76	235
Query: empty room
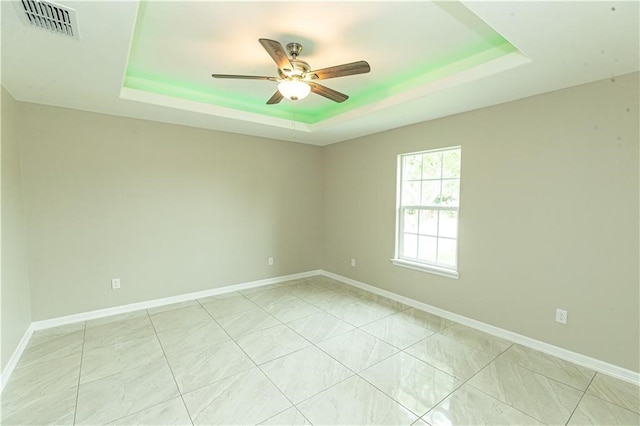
314	213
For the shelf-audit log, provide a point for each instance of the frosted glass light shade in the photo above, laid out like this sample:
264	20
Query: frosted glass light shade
294	89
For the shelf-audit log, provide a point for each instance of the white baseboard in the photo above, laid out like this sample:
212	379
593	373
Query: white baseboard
15	357
85	316
577	358
594	364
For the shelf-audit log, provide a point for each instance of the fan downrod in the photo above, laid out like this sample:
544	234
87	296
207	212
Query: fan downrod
294	49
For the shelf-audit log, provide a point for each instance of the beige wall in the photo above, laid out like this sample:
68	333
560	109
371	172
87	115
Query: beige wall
167	209
548	216
16	305
549	213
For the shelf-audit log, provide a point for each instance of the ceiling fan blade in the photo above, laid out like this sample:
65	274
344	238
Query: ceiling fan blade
360	67
244	77
276	51
334	95
277	97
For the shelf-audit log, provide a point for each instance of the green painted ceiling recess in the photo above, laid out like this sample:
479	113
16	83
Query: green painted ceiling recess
487	45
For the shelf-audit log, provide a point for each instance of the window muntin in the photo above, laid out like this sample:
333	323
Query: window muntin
429	199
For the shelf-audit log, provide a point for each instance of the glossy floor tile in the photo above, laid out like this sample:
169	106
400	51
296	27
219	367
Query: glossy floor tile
413	383
355	402
305	373
615	391
383	304
178	319
270	296
469	406
105	361
358	313
450	355
56	346
118	318
246	398
317	328
199	367
55	408
550	366
290	416
173	306
291	310
477	339
272	343
42	336
328	299
247	322
105	400
538	396
172	412
117	329
397	331
426	319
191	338
40	379
357	350
219	307
305	351
595	411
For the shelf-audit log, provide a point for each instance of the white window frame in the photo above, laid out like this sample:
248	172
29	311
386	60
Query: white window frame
412	263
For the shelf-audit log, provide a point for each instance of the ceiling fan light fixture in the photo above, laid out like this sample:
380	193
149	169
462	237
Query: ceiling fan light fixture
294	89
295	78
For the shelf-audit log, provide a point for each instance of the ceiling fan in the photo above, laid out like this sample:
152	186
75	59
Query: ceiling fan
295	77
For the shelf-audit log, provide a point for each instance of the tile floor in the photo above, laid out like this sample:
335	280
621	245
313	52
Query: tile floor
309	351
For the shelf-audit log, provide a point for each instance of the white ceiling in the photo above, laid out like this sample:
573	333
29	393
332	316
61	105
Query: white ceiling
561	44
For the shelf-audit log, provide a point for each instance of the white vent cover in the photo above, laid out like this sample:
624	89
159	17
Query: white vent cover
49	16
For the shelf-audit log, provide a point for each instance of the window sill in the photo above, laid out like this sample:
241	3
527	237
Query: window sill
449	273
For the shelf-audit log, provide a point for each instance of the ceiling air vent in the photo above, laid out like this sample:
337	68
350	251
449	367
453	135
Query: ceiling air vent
49	16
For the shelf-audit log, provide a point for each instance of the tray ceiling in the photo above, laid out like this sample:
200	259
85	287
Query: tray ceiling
153	60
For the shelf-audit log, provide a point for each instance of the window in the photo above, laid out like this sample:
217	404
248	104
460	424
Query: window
427	215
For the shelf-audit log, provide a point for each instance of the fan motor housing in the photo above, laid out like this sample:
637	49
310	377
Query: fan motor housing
300	68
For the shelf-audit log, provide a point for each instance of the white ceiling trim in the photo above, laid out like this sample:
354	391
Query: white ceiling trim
562	44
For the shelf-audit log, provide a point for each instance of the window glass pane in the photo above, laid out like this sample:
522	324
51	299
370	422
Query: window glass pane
427	249
431	165
410	246
448	224
410	221
429	186
451	163
430	192
446	252
412	167
450	192
410	193
429	222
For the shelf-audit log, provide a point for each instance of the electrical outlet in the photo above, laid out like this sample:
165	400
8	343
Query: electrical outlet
115	283
561	316
270	261
353	262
